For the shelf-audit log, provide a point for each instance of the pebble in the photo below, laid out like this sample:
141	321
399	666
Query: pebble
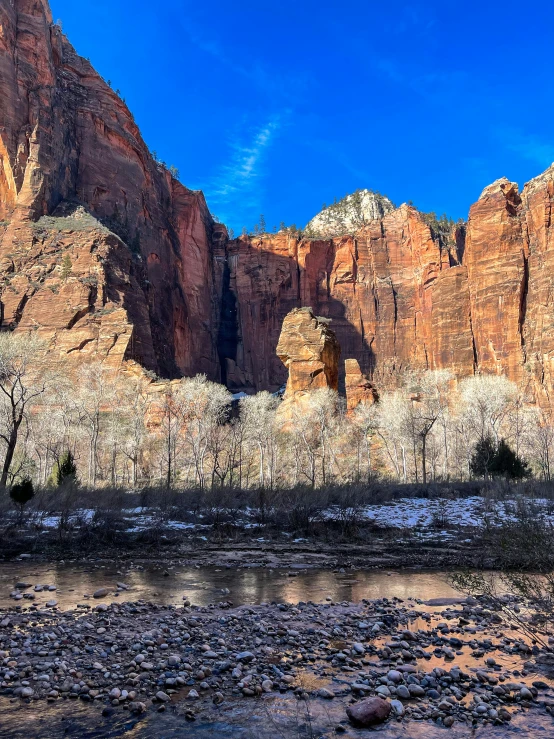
101	593
325	693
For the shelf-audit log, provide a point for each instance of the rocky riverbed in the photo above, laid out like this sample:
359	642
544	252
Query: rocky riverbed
451	663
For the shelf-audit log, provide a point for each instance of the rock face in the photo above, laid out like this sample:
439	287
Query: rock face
67	138
76	283
349	214
509	258
402	293
397	295
107	255
358	388
309	350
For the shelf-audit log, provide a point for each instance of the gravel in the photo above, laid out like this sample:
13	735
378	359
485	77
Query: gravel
138	656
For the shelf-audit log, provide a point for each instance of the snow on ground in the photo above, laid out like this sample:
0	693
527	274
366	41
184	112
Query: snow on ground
426	518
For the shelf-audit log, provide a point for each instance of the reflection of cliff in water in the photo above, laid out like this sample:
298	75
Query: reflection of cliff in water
205	585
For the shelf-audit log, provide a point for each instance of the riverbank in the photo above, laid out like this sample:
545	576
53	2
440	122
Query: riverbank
405	532
448	662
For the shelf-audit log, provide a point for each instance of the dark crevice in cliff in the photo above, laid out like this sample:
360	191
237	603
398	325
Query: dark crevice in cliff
19	310
523	302
228	335
473	345
394	298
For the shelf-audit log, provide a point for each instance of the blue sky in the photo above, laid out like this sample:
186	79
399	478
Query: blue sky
276	108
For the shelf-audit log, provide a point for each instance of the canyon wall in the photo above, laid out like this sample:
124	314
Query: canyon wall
66	139
396	293
403	295
107	255
510	261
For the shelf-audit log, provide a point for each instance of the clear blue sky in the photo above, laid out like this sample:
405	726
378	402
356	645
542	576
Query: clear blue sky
278	107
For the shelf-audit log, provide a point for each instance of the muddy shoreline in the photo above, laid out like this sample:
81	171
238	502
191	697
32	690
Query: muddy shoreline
379	552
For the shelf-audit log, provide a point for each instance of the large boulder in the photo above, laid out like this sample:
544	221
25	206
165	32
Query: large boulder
369	712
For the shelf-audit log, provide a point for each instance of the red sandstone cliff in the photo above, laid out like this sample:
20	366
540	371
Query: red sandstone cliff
395	293
107	255
65	136
510	260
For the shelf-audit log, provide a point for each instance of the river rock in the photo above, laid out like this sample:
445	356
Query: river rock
398	707
245	656
101	593
403	692
369	712
325	693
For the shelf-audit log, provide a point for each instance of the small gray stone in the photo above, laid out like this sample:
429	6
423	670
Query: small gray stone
403	692
245	656
325	693
397	707
101	593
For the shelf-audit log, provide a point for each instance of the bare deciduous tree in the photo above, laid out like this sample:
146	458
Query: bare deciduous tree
23	382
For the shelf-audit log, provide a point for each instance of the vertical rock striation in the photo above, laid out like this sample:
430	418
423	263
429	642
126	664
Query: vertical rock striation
358	388
67	138
107	255
510	260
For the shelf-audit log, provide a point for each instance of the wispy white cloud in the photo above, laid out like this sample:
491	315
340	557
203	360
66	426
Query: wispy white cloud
236	191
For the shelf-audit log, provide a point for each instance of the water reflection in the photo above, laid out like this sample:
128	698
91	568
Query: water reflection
246	719
212	585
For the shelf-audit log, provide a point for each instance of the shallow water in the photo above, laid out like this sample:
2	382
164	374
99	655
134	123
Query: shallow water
280	718
213	585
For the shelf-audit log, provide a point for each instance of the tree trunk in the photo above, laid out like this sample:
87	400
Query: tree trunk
424	458
12	442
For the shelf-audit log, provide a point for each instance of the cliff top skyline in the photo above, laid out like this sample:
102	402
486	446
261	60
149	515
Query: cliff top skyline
278	110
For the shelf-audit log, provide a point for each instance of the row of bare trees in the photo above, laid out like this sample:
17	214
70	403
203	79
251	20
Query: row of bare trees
128	431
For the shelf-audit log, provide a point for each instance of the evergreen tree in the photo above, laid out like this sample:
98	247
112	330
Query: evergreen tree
64	471
508	464
497	461
22	492
262	224
482	460
66	267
